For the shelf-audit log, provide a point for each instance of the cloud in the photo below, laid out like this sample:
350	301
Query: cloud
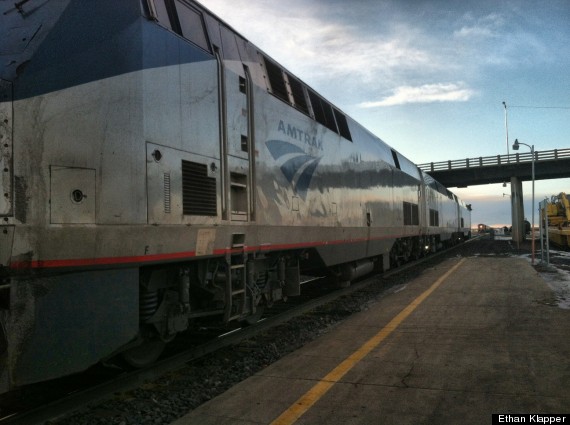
473	32
347	54
499	40
427	93
338	52
309	44
484	27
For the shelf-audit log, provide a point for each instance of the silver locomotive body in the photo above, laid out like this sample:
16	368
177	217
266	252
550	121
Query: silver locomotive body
158	168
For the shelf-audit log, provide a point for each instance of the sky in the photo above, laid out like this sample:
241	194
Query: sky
429	77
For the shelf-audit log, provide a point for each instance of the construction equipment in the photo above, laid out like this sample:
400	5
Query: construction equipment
558	212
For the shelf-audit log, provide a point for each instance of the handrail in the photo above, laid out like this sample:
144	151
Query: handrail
484	161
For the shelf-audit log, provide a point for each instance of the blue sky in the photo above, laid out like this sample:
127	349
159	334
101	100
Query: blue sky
429	77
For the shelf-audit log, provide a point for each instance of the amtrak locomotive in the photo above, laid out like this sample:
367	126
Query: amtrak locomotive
159	169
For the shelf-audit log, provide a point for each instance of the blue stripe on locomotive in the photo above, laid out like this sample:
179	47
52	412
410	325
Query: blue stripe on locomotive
94	55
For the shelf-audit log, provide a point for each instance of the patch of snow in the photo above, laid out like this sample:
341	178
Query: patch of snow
555	277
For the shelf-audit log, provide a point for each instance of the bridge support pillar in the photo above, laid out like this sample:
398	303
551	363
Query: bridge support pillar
517	210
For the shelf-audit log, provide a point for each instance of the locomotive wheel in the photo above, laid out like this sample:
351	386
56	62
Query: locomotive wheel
144	354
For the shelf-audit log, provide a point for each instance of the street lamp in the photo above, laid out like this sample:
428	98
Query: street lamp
516	148
507	130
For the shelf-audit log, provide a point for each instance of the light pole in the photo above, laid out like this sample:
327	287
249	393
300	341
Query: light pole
507	130
516	148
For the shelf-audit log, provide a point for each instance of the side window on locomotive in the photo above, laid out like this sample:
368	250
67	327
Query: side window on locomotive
342	124
276	81
162	13
179	17
323	111
298	94
191	25
229	45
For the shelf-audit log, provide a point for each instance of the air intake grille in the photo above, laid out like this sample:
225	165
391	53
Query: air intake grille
198	190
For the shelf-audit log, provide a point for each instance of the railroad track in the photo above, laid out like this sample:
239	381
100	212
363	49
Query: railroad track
125	381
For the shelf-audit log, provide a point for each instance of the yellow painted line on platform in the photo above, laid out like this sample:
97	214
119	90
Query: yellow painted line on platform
304	403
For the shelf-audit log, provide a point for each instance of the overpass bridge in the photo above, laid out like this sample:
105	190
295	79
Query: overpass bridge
513	168
552	164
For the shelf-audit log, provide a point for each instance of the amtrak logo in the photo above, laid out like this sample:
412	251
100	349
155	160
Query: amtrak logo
296	165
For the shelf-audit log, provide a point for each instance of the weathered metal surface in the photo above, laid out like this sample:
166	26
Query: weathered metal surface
62	324
6	148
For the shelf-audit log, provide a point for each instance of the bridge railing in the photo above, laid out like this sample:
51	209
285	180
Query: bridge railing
483	161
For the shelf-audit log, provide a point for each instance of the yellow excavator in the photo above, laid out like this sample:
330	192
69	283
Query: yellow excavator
558	212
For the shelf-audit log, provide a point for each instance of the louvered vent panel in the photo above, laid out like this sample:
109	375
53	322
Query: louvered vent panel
167	204
198	190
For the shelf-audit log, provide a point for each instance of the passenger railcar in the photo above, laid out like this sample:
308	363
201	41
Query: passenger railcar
158	168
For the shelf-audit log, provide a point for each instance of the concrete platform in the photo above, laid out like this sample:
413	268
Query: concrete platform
484	340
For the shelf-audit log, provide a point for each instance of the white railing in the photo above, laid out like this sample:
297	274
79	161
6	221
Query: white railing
483	161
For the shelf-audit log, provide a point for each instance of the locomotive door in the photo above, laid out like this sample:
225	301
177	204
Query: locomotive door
422	201
237	142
